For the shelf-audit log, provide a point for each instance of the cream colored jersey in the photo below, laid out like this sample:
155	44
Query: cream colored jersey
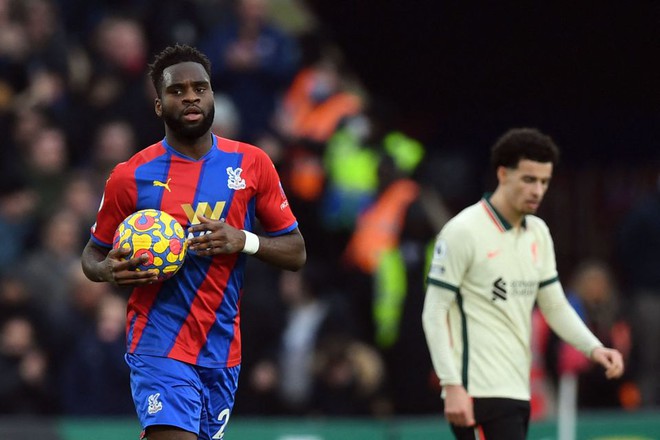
491	275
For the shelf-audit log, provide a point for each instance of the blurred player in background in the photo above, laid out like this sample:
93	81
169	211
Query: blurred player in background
492	263
184	343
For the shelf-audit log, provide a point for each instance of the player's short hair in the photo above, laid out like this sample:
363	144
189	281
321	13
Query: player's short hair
523	143
172	55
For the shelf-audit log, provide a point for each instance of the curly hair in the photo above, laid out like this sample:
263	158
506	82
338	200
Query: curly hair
172	55
523	143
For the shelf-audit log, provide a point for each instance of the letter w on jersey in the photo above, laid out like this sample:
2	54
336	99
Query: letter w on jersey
203	209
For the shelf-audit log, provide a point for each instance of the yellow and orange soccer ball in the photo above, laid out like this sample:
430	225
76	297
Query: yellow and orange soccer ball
156	234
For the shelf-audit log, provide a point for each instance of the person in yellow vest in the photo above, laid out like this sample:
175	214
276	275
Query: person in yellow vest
371	256
379	226
320	99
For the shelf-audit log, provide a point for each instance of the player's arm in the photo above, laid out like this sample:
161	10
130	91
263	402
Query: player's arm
437	302
100	263
285	251
104	265
458	404
563	319
452	256
566	323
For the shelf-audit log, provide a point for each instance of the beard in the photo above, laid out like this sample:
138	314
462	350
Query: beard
188	131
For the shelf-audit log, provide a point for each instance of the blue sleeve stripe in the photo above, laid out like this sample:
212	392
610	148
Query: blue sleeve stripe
100	243
283	231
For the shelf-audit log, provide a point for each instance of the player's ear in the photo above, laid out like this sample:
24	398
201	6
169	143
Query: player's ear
501	173
158	107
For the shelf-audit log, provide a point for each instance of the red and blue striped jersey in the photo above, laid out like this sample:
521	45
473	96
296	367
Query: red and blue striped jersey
194	316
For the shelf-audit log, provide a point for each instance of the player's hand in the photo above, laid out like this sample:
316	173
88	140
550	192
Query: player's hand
121	272
610	359
458	406
213	237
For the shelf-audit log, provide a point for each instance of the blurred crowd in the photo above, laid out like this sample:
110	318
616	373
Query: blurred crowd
341	337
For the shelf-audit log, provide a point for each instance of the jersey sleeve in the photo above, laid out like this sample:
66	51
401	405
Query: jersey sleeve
564	320
436	329
272	206
451	257
554	306
118	202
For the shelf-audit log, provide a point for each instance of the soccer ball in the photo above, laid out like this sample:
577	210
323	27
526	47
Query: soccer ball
156	234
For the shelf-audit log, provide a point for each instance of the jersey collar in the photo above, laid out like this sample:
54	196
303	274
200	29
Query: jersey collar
496	217
210	153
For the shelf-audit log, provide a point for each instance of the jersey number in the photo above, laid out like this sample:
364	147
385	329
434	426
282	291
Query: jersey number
223	418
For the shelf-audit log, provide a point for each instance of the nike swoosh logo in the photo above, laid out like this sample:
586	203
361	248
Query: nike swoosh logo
493	254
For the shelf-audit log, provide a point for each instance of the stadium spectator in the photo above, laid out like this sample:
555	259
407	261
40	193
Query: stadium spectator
45	35
313	315
262	320
377	230
399	282
280	380
14	49
594	296
349	379
16	300
117	87
320	99
321	96
18	203
638	243
25	388
94	377
81	197
253	61
45	266
80	308
81	19
46	168
184	22
114	141
27	123
351	159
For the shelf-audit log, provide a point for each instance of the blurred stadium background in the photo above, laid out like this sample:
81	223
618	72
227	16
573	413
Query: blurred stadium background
334	91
